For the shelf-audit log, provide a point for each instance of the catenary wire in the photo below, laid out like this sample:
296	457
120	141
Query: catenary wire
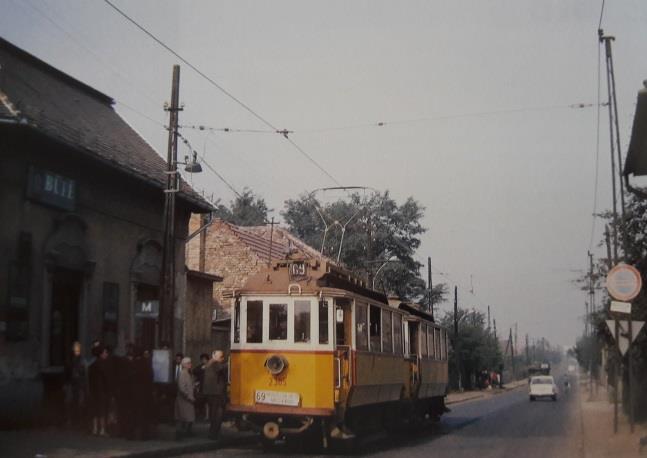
222	89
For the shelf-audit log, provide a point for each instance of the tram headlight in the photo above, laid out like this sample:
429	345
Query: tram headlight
276	364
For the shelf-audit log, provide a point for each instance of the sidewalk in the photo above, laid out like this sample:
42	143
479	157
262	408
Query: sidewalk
55	443
598	438
457	397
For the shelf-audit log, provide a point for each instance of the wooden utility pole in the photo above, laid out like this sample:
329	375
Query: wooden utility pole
527	351
429	285
511	343
167	280
456	338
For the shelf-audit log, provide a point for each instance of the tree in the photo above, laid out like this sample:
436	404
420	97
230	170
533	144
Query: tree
247	209
478	349
379	236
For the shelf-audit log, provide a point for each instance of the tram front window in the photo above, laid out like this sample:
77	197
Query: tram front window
302	321
278	321
254	321
323	322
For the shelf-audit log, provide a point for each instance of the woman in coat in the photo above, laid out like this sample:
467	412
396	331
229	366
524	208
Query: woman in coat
184	401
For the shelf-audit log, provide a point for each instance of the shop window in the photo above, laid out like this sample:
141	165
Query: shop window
361	324
302	321
397	333
278	321
254	321
323	322
387	332
237	321
375	329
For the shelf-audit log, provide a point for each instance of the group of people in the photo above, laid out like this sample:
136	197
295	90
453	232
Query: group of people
203	388
115	395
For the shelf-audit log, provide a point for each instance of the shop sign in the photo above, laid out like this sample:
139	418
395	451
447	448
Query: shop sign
147	309
51	189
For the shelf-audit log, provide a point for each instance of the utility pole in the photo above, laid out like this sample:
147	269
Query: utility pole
590	321
516	344
269	260
488	318
456	339
167	280
495	337
510	342
369	250
607	42
429	285
527	352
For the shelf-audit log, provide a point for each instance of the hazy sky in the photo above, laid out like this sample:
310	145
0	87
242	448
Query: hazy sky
508	195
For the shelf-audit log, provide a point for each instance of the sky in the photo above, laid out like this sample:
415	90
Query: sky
475	98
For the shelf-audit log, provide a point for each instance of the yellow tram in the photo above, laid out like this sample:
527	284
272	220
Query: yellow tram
316	352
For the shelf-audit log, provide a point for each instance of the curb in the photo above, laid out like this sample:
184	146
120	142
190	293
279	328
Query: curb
181	449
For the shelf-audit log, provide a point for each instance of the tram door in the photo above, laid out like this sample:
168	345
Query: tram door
343	340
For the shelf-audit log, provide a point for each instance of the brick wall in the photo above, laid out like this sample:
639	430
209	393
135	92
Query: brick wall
226	256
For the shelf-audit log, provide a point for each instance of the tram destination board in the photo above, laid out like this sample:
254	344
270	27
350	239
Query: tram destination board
277	398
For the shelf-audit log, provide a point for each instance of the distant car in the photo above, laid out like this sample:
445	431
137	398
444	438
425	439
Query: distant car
543	386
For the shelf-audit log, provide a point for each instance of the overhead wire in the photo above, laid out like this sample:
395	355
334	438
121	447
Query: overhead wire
222	89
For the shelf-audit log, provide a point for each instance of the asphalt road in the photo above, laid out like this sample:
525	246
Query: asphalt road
505	425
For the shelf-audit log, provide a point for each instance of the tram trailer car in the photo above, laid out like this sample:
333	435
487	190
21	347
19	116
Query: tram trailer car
315	353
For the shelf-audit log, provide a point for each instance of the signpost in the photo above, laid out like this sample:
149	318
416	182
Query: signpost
624	283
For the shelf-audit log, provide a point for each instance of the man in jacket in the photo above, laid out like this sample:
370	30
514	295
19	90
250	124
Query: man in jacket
184	401
215	389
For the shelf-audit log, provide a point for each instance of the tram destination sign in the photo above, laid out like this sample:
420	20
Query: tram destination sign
624	282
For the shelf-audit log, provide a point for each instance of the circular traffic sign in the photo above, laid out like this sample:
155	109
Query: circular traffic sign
624	282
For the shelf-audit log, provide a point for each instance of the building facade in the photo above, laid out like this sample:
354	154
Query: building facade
81	207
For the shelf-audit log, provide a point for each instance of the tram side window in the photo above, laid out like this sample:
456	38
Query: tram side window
302	321
278	321
254	321
443	347
437	343
387	332
375	326
397	333
423	341
237	322
361	323
323	322
430	339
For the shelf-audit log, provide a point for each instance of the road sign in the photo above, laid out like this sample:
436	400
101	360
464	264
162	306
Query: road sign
620	307
624	282
623	330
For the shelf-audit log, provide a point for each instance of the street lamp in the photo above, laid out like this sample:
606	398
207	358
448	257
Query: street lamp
191	166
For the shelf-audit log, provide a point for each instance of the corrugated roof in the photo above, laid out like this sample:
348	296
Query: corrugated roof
78	115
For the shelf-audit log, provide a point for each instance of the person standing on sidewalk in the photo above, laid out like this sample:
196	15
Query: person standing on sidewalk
215	389
76	378
184	401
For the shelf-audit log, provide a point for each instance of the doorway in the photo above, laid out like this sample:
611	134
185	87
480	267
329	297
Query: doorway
146	316
64	315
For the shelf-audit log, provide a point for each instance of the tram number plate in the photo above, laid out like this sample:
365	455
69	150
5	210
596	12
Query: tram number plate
277	398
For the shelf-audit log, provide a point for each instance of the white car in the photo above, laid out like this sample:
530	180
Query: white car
543	386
